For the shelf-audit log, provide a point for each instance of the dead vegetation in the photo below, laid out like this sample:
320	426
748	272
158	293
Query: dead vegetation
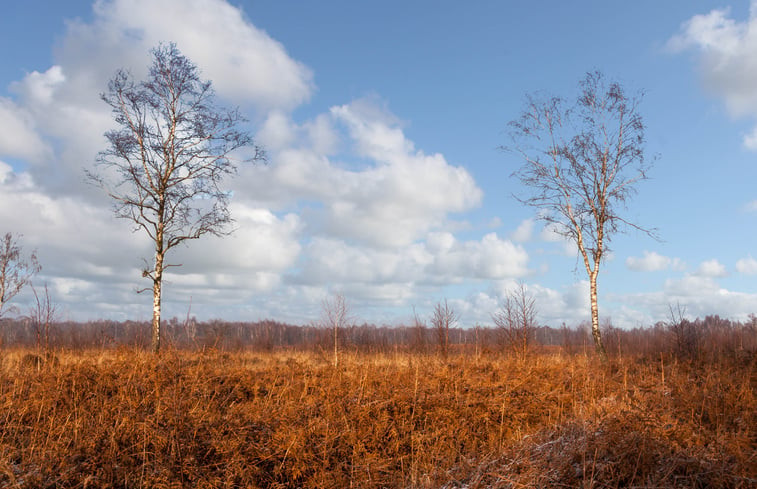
128	419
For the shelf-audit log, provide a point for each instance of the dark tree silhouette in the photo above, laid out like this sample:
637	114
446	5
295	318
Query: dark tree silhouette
165	163
582	163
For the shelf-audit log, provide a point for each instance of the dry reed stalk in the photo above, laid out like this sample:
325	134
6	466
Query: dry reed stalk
209	419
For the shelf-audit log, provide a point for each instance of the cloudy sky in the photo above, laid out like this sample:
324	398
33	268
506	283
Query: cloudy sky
385	183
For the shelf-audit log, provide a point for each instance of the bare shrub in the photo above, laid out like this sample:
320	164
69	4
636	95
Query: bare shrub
516	320
42	315
686	335
442	319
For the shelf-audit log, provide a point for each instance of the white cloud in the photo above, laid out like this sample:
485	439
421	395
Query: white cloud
393	197
41	87
244	63
440	260
699	295
262	243
711	268
56	124
307	219
728	51
19	137
247	67
747	266
550	233
490	258
277	132
569	304
653	262
524	231
650	262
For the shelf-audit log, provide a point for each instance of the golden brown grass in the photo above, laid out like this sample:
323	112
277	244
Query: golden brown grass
128	419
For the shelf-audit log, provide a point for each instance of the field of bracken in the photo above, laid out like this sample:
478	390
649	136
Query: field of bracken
127	419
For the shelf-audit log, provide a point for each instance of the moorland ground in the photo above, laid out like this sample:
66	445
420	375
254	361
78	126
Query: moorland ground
127	419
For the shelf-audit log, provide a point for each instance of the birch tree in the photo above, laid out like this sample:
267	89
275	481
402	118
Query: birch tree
582	161
166	161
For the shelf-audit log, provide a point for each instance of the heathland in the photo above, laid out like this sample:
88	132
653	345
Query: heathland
125	418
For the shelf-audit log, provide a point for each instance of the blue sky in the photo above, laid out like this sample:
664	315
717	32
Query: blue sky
385	181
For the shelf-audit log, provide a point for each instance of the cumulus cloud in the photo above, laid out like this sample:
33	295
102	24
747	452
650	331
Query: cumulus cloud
346	197
570	304
700	295
747	266
490	258
711	268
245	64
653	262
55	123
262	243
728	58
440	260
60	107
394	197
19	137
524	231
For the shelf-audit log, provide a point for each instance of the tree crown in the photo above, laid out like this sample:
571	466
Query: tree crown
582	160
173	146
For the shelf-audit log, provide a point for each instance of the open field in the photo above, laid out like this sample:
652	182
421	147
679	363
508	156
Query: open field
125	418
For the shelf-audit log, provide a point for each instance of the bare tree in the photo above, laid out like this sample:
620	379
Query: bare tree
335	315
42	315
516	319
582	163
16	271
166	161
442	319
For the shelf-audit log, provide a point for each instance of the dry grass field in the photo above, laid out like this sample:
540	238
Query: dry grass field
128	419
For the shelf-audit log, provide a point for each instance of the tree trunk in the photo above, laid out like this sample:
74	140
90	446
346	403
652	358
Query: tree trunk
595	313
156	285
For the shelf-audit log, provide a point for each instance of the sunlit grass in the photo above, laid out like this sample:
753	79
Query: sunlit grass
126	418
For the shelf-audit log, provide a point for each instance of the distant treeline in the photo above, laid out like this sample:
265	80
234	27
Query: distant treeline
711	335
